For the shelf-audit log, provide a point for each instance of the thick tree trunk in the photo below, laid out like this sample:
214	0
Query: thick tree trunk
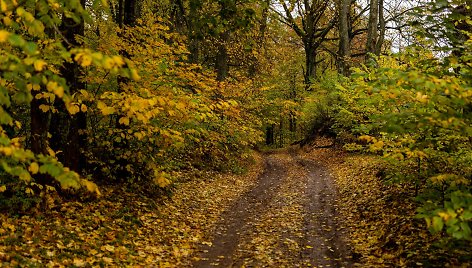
372	32
344	51
382	25
128	12
193	35
310	64
131	12
73	128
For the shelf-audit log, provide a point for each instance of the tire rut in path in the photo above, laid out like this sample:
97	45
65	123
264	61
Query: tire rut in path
323	235
236	220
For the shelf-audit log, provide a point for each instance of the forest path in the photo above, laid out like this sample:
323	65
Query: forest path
288	219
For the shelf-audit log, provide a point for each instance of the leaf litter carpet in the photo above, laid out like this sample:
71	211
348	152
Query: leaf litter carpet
281	213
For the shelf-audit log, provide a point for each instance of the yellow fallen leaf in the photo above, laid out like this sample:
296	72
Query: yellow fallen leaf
109	248
107	260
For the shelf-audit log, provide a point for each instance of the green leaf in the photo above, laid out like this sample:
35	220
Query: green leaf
437	224
16	40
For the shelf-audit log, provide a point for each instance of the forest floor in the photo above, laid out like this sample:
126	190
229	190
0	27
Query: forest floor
293	208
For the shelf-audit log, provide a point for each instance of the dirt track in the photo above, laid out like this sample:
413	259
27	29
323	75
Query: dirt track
287	219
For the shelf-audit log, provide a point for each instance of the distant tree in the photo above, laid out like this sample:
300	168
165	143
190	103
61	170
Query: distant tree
311	20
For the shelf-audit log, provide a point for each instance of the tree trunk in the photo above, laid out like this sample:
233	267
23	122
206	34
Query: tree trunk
372	33
39	126
344	51
128	12
270	135
382	25
73	131
221	64
194	49
178	16
293	96
310	64
254	67
131	12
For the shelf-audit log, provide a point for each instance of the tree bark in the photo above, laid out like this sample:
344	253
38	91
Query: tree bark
222	58
270	135
375	32
39	126
382	25
69	131
292	119
310	64
344	51
128	12
254	67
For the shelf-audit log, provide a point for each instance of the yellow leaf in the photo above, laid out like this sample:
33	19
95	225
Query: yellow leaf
108	63
91	187
161	101
34	168
7	21
44	108
51	152
104	3
6	150
181	106
72	108
83	59
55	5
134	75
79	262
107	260
59	91
29	191
83	108
138	135
421	98
162	181
118	60
3	6
109	248
39	65
4	35
3	188
105	109
124	121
